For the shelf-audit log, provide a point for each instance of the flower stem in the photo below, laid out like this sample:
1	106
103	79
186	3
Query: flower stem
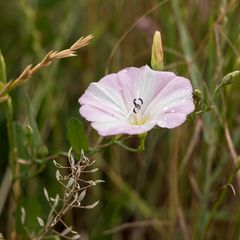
11	140
140	148
14	166
116	140
142	142
127	147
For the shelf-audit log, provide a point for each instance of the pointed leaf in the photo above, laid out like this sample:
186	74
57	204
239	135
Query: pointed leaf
3	77
91	206
76	237
46	194
21	140
23	215
70	182
66	231
82	195
58	175
37	140
40	221
76	135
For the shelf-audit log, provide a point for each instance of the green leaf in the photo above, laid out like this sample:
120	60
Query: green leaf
20	139
33	208
3	77
187	44
76	135
36	136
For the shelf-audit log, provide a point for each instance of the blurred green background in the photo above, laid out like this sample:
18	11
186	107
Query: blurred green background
169	190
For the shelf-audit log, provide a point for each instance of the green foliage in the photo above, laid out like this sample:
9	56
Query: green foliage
76	135
171	189
2	69
33	208
21	140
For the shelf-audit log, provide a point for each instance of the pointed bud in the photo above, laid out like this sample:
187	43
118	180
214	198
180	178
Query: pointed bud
29	131
197	95
2	69
157	52
42	151
230	78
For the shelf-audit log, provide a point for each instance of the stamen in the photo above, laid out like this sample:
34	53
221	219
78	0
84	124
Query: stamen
140	101
137	106
138	118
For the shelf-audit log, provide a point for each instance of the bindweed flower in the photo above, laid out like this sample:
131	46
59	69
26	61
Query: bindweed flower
134	100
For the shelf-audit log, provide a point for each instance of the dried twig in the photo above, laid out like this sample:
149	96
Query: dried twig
144	223
74	193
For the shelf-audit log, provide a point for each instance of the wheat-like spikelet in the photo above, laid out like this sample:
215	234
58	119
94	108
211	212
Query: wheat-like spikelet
30	70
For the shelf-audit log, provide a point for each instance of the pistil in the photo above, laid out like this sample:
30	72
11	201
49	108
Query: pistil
137	118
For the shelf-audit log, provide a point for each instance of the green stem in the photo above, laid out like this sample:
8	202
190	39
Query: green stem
140	148
11	140
217	90
116	140
127	147
142	142
220	199
13	165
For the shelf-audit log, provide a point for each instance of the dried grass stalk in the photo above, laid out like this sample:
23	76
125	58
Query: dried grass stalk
30	70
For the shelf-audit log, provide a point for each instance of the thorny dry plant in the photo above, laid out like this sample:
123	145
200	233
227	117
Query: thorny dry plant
46	61
75	188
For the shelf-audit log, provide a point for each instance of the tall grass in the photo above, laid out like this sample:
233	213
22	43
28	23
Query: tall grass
185	184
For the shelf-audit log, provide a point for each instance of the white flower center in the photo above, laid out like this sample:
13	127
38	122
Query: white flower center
137	117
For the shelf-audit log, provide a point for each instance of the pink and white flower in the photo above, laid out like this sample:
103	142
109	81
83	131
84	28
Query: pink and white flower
134	100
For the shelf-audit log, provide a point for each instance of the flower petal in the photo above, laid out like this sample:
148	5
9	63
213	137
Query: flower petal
142	83
104	98
176	96
151	83
92	114
138	129
108	128
127	79
171	120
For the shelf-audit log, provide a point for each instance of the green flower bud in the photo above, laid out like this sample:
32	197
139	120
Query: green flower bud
230	78
29	130
197	95
42	151
157	52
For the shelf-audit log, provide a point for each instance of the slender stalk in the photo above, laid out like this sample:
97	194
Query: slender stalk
220	199
174	201
140	148
11	140
14	166
142	142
